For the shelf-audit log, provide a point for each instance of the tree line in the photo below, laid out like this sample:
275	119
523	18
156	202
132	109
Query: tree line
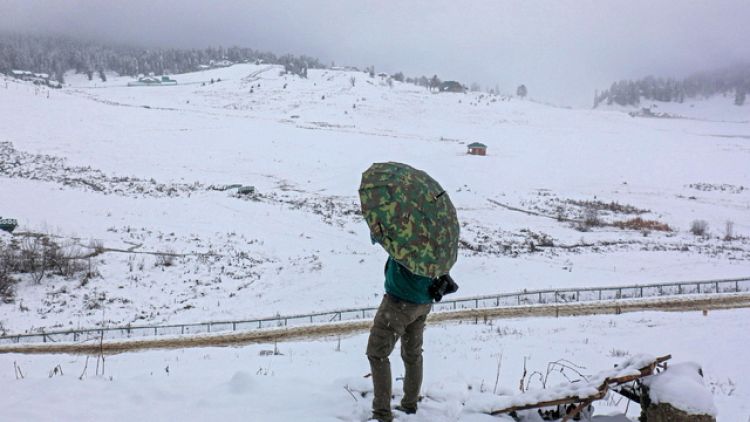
56	55
729	80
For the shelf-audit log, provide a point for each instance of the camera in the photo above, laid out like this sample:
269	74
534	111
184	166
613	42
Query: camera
442	286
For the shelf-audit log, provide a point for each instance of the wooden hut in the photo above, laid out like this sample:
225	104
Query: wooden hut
477	148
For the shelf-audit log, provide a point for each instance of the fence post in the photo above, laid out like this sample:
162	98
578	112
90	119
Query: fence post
555	296
736	286
717	287
182	329
641	291
679	289
699	287
154	331
476	303
600	294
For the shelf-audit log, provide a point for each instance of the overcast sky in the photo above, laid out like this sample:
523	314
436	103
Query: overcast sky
562	50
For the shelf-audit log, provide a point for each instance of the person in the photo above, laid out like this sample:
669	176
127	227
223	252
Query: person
402	315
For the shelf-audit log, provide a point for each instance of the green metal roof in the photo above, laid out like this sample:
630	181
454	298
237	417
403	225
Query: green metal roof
477	145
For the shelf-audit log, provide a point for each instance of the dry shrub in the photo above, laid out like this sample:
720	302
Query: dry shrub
590	219
729	230
613	206
6	286
165	259
39	256
699	227
638	223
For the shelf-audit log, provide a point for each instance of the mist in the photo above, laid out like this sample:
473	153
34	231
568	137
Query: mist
562	50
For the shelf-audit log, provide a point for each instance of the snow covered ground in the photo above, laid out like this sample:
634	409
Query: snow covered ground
303	144
134	170
324	380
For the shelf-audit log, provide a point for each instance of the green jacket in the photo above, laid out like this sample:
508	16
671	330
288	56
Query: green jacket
405	285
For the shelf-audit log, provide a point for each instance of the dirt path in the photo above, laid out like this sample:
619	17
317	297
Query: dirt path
680	304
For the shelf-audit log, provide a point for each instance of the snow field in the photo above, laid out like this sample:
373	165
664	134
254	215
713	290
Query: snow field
309	380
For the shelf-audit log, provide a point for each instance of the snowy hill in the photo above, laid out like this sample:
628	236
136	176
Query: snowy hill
150	156
717	108
120	173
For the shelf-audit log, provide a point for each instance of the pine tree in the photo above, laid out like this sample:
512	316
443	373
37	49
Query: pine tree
521	91
739	98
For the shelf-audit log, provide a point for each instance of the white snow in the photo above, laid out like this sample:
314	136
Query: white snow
309	380
682	386
299	246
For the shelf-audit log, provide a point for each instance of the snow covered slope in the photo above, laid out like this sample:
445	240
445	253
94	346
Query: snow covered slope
135	168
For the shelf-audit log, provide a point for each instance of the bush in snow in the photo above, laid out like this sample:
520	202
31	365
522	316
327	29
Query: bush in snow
590	219
729	230
699	227
165	259
39	256
638	223
6	285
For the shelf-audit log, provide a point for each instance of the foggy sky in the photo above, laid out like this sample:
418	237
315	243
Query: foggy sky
562	50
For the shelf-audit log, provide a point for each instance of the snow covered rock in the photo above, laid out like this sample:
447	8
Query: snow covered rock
679	394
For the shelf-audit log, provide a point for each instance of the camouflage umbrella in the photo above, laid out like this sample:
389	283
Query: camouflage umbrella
411	216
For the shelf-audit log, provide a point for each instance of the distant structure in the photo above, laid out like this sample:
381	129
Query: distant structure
220	63
152	80
8	224
246	190
477	148
452	86
36	78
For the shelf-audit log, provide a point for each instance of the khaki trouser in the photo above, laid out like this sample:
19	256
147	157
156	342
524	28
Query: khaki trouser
396	319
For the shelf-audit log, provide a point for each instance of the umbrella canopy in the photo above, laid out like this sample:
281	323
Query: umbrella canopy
411	216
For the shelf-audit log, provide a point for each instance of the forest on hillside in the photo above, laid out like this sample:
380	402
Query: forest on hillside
57	55
732	80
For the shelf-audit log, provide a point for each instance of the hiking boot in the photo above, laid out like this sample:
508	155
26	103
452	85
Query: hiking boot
407	410
381	418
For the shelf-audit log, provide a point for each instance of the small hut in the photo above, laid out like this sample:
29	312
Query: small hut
8	224
451	86
477	148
